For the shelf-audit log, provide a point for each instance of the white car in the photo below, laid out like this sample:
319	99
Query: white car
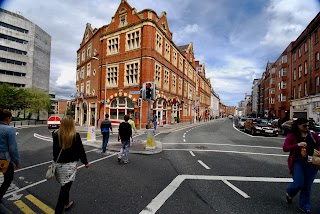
241	122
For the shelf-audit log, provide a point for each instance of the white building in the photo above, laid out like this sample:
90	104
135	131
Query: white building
215	101
24	52
255	96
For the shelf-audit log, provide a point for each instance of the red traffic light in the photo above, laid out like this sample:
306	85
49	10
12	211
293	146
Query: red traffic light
148	85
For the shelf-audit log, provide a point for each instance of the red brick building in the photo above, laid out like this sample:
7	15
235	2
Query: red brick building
136	47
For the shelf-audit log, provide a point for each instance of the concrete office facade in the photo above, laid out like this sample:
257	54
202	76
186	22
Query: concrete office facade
25	51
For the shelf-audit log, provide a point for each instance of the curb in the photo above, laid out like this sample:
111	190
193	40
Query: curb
115	147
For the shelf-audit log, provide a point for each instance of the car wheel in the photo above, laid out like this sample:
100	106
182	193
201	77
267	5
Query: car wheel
276	135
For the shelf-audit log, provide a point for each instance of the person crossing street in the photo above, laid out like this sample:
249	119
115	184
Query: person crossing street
105	127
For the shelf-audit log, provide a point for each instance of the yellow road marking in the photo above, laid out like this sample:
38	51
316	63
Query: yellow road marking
40	204
23	207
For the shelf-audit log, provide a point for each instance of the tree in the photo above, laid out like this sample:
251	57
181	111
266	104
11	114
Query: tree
8	96
37	100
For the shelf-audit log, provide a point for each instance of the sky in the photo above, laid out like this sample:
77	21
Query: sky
233	38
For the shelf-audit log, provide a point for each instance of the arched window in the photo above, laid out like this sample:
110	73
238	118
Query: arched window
121	106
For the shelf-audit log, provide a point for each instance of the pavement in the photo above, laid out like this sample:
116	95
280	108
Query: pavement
138	146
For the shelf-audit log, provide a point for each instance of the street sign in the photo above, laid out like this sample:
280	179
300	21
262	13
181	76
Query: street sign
134	92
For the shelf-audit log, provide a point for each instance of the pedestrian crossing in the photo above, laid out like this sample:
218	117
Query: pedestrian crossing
34	207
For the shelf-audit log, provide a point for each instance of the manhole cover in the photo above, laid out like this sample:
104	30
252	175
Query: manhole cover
200	147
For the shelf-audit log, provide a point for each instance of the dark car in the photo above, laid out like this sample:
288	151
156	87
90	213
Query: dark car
260	126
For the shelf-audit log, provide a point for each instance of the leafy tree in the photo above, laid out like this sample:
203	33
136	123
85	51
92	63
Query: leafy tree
8	96
37	100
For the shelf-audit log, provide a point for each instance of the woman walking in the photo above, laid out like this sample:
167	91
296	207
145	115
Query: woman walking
301	143
67	150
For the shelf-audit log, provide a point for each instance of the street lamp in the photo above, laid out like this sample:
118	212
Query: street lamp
105	86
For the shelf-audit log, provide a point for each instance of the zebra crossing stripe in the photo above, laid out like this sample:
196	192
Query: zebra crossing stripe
46	209
23	207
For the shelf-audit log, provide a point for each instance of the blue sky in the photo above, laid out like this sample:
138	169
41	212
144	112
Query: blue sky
235	39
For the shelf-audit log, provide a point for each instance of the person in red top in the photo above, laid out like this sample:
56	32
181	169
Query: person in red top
301	143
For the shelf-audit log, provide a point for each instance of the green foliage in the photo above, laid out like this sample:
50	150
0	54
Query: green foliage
32	99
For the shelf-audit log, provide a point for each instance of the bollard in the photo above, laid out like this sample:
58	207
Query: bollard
14	124
21	123
150	145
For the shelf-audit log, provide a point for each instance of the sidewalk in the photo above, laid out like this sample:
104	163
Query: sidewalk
138	146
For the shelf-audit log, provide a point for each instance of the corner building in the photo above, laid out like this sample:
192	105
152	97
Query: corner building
134	48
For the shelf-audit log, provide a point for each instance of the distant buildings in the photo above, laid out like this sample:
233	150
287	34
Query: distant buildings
24	52
289	87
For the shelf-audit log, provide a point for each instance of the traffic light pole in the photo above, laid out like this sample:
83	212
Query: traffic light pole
140	113
148	122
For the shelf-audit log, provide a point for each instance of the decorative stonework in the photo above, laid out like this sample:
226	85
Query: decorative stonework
115	94
120	92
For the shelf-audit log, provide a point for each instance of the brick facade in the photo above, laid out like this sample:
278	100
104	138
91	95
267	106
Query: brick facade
132	49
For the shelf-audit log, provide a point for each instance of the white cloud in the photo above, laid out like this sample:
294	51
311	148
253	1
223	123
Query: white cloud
286	19
235	39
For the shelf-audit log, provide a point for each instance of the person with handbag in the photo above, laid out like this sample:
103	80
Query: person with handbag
67	150
9	152
301	144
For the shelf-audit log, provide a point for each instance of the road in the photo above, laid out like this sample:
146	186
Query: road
208	168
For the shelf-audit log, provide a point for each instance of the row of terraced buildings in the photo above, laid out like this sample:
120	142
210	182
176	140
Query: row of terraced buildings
289	87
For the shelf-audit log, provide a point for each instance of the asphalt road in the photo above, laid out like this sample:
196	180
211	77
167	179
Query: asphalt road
210	168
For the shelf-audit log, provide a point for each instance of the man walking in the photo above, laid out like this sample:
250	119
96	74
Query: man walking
125	133
9	152
105	127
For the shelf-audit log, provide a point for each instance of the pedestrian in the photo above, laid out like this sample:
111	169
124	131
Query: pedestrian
125	133
67	150
105	128
9	152
155	122
301	143
133	126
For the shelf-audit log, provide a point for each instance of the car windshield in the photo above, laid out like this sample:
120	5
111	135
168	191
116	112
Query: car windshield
243	119
261	121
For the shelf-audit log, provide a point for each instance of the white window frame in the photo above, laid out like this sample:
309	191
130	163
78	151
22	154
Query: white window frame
113	45
82	73
89	51
131	73
83	56
305	67
87	88
112	76
133	39
174	57
78	59
89	69
299	71
167	50
166	79
158	74
174	83
158	42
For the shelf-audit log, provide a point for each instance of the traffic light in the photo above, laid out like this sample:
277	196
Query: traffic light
139	102
150	90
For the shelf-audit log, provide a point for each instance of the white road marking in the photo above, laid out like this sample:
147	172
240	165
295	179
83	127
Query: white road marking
165	194
44	180
40	164
203	164
184	135
192	153
222	144
236	152
184	140
236	189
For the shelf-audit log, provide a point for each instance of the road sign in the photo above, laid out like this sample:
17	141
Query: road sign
134	92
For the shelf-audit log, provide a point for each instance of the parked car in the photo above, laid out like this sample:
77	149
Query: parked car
53	122
241	122
286	127
260	126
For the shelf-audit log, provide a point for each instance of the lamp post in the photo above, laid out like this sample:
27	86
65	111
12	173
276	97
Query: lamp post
105	86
